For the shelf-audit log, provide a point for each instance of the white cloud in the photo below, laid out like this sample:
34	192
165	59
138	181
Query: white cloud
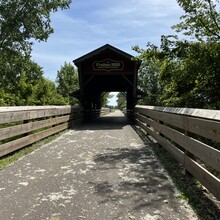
90	24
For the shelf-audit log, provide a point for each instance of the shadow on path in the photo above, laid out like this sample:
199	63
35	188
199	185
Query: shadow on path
141	183
104	123
204	204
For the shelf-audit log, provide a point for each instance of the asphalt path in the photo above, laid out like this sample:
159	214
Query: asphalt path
100	170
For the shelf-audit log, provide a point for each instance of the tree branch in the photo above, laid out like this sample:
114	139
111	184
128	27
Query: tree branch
205	26
212	15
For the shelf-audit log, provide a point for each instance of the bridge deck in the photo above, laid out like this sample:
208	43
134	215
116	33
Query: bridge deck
102	170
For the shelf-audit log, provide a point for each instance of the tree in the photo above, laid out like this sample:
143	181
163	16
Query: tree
187	73
18	80
46	94
148	74
121	101
24	84
201	19
199	74
67	81
105	98
23	20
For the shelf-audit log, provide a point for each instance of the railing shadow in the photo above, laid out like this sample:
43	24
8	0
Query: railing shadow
205	205
139	178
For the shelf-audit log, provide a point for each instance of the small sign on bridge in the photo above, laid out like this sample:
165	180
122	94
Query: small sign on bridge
108	65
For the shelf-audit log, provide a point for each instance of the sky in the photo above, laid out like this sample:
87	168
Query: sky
90	24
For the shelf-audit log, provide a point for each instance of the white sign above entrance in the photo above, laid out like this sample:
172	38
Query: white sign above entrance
108	65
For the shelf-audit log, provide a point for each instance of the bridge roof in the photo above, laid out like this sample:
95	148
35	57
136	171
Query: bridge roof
99	50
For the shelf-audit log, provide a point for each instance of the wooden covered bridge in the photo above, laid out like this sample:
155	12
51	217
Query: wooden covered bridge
105	168
107	69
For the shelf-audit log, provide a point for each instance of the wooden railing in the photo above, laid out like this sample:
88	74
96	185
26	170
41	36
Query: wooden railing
22	126
191	136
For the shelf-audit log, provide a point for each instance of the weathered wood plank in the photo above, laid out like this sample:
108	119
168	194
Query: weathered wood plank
203	151
140	117
205	123
206	128
7	117
28	127
175	152
33	108
211	182
30	139
26	108
201	113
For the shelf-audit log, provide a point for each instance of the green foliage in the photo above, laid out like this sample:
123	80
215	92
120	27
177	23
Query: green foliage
201	19
23	84
22	20
67	81
148	80
185	73
121	101
22	81
191	77
180	73
105	99
46	94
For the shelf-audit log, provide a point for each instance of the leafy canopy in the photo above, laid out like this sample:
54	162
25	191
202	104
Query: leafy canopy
201	19
67	82
181	72
23	20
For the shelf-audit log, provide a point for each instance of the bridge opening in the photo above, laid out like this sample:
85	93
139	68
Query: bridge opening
113	99
106	69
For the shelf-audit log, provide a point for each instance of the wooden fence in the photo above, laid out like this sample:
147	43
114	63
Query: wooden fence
191	136
22	126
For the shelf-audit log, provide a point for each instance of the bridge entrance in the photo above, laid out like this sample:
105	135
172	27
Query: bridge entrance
106	69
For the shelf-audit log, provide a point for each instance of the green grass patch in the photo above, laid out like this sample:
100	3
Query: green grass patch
16	155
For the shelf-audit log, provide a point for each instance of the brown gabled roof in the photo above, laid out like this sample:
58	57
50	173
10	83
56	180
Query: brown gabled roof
99	50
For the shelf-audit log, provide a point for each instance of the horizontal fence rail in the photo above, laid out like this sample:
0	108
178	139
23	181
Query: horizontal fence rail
191	136
22	126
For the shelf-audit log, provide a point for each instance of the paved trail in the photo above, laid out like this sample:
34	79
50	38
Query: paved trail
100	171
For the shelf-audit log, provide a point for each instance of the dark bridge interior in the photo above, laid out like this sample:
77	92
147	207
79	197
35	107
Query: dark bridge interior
106	69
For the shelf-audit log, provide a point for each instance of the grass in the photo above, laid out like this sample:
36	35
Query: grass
202	202
14	156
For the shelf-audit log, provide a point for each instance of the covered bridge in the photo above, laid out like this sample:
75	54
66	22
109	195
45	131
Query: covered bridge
106	69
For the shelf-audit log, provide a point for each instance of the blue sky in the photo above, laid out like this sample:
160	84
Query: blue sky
89	24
